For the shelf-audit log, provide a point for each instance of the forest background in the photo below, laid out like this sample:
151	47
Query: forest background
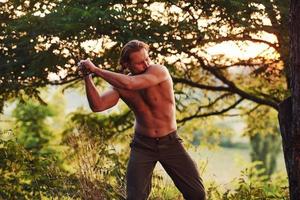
228	60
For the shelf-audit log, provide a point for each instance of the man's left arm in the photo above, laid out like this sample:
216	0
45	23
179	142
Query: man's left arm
153	76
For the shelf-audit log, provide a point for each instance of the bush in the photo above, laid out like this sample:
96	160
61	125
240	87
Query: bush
25	175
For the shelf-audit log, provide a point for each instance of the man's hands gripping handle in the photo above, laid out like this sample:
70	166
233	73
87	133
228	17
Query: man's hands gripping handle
86	67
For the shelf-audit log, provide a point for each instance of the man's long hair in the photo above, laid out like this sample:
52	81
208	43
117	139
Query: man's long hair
130	47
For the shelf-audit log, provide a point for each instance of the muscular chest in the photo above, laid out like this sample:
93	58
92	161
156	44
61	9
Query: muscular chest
140	98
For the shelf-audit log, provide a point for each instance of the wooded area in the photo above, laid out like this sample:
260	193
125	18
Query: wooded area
39	39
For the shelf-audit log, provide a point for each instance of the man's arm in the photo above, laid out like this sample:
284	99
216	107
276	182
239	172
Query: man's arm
153	76
99	102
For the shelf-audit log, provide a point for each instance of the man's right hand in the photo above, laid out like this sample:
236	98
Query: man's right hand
82	71
88	65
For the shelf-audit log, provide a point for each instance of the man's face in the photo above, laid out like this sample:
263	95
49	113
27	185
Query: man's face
139	61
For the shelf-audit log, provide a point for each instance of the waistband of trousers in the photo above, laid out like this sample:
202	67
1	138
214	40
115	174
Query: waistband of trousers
169	136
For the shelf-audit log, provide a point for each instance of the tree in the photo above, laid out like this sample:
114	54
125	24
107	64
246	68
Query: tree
289	109
265	138
40	38
31	129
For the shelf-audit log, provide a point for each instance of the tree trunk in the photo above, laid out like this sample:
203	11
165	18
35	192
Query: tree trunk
285	121
289	109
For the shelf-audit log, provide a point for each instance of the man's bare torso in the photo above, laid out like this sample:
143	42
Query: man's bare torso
154	108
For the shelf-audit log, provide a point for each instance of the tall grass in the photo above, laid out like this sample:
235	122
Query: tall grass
96	165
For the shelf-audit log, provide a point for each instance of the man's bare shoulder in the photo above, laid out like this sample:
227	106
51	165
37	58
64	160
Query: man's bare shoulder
156	68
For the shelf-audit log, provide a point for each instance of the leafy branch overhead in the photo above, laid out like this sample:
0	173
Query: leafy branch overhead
41	39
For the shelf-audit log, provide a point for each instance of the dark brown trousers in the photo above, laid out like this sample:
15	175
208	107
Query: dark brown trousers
169	151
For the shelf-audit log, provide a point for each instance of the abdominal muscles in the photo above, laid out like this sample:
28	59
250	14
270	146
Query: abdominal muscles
155	122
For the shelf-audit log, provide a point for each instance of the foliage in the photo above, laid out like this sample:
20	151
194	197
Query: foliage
266	149
108	125
90	169
96	170
31	127
252	184
30	176
42	38
78	160
162	190
97	165
207	133
265	140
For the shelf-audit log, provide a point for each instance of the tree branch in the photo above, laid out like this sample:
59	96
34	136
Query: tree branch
196	115
198	85
245	113
231	86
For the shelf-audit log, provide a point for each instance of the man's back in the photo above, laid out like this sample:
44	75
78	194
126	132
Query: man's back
154	108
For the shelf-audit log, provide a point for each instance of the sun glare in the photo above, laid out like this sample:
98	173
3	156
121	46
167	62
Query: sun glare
246	49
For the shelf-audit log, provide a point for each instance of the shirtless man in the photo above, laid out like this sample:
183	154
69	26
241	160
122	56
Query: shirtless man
148	91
